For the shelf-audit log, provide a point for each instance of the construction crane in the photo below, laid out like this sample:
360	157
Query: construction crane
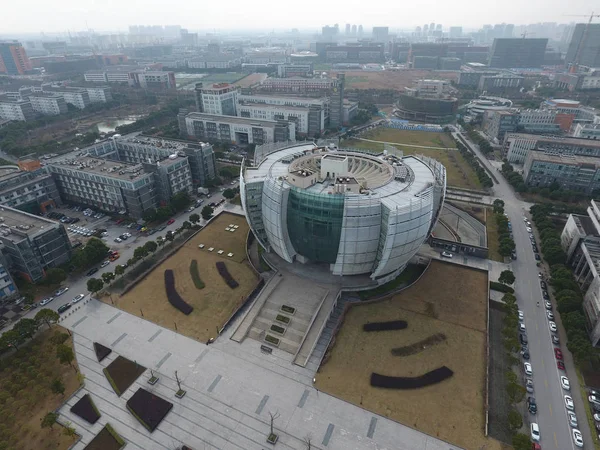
582	41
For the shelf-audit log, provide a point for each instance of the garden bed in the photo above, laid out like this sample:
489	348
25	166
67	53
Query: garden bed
196	275
86	409
148	408
419	346
288	309
433	377
172	295
385	326
122	373
283	319
101	351
272	340
277	329
107	439
222	269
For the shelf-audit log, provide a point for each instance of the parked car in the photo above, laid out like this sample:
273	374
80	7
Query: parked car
560	365
577	438
64	307
61	291
118	240
46	301
77	298
537	257
531	405
529	385
523	339
529	230
521	315
572	419
564	382
92	271
446	254
535	432
558	353
555	339
569	403
525	355
104	263
550	315
594	399
522	328
528	369
543	285
548	305
552	326
597	417
170	221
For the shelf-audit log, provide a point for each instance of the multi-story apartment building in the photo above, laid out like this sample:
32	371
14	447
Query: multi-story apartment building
571	172
77	97
100	94
153	79
294	70
237	130
13	58
48	104
8	289
31	191
517	52
220	99
498	123
538	121
32	244
517	146
15	109
580	240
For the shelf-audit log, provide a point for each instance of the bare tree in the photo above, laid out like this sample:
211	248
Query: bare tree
273	418
307	441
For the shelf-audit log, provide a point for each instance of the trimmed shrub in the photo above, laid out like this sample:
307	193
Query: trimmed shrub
173	296
196	275
435	376
494	285
385	326
222	268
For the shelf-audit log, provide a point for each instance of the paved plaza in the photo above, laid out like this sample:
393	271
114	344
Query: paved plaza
231	388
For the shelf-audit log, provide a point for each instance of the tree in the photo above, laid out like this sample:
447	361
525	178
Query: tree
163	213
12	338
194	218
47	316
119	270
65	355
49	420
186	225
150	246
160	241
516	392
521	441
107	277
207	212
507	277
140	252
180	201
228	194
54	276
515	421
26	327
94	285
169	236
68	430
149	215
273	417
57	386
499	206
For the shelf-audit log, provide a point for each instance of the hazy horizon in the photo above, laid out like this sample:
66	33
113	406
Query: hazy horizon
111	16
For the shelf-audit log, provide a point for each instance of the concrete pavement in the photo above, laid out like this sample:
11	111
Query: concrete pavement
551	417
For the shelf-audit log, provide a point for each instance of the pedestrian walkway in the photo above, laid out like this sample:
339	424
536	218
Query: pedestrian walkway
228	399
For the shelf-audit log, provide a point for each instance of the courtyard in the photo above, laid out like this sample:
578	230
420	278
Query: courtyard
212	304
446	326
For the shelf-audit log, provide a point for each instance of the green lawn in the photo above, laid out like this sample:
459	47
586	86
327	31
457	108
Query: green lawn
407	137
409	275
229	77
492	237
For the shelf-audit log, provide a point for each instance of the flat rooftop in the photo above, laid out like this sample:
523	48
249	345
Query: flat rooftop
565	159
231	119
105	167
15	224
270	106
166	144
559	139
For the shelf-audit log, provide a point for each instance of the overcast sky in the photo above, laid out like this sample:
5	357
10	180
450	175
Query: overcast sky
23	16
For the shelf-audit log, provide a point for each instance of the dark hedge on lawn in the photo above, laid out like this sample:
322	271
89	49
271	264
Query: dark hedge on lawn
101	351
222	268
435	376
148	408
173	296
385	326
86	409
121	373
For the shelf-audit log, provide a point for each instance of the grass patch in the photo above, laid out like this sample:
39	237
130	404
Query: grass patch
196	275
122	373
212	305
271	339
458	171
492	238
277	329
461	309
26	377
408	275
107	439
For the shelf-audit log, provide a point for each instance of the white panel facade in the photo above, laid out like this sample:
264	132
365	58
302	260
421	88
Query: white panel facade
274	209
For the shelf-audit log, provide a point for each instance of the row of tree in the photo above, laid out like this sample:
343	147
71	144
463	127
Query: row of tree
482	175
25	329
169	111
474	135
505	240
178	203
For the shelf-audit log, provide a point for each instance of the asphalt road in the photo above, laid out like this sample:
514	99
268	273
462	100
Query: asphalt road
79	285
551	417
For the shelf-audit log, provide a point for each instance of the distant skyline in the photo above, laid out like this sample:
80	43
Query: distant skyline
36	16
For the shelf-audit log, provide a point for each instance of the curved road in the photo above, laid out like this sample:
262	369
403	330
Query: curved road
555	430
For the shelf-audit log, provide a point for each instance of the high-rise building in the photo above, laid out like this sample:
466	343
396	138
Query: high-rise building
360	30
517	52
380	34
220	99
347	29
336	102
455	32
354	30
585	45
13	58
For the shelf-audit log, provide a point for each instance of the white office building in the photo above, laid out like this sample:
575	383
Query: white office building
220	99
101	94
296	114
16	109
48	104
